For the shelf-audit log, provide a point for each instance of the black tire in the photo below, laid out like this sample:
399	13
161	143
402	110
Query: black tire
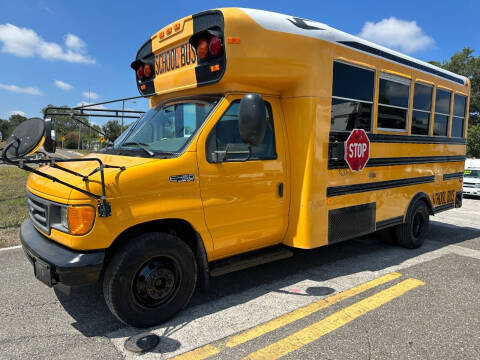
150	279
411	234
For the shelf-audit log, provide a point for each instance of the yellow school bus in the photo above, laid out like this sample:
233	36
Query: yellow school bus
248	150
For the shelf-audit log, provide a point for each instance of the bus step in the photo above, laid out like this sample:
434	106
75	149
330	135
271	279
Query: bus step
250	259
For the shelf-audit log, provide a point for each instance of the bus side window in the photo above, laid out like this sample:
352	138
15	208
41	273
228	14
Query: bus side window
226	132
458	120
352	97
442	113
422	107
393	96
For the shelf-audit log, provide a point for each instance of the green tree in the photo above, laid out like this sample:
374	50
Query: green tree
473	142
465	63
112	130
4	129
15	120
71	140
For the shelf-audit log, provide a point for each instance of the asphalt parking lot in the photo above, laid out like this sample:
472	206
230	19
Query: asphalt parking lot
354	300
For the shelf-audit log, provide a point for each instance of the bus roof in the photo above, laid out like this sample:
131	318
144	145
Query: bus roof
299	26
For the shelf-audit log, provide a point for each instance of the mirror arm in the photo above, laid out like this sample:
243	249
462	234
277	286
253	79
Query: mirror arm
219	156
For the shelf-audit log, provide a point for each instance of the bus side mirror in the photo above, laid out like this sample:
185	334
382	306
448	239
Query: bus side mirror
50	144
252	119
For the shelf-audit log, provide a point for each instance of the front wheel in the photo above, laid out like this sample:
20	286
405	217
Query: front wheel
412	233
150	279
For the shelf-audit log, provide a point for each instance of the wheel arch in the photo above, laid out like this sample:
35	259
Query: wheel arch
419	196
173	226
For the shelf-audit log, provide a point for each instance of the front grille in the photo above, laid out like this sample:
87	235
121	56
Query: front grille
468	185
39	212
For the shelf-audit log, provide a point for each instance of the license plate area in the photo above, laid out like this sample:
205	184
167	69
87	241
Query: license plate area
43	272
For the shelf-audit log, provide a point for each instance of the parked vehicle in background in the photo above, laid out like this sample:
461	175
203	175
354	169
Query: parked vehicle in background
471	179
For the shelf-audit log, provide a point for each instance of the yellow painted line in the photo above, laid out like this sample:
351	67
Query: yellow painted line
235	340
333	322
200	353
307	310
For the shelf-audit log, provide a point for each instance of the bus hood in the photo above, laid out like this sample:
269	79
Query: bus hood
54	191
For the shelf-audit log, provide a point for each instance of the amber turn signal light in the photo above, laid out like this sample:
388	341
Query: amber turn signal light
80	219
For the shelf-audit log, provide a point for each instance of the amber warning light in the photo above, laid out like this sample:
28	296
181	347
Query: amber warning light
209	47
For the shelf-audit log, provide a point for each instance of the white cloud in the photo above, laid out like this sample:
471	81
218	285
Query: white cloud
27	90
90	95
63	85
403	35
24	42
75	43
83	103
17	112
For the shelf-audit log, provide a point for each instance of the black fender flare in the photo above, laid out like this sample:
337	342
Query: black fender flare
202	265
419	196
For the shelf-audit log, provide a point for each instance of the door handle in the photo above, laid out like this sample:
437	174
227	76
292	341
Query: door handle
280	189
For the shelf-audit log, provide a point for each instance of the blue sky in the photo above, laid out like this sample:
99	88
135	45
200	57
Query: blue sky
88	45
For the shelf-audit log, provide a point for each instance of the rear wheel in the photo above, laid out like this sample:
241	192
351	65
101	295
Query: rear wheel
150	279
412	233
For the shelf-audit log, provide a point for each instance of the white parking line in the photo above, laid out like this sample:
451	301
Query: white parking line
11	248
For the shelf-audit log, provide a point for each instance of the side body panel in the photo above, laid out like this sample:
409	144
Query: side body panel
243	208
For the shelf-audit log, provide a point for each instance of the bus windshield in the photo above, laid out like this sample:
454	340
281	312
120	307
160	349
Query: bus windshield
472	174
167	128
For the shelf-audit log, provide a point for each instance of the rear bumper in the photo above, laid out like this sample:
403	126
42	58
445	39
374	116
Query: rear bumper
66	268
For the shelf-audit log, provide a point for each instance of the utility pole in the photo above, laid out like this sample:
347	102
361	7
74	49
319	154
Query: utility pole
123	107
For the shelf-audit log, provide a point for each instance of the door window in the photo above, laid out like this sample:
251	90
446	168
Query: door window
226	133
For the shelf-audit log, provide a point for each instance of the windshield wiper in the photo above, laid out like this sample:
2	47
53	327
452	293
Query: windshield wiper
143	146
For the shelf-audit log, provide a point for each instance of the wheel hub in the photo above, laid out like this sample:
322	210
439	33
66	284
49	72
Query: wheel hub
155	282
159	283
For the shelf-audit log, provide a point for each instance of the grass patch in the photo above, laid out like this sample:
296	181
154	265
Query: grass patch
9	237
13	208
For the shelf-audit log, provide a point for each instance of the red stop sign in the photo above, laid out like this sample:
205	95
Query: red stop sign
357	150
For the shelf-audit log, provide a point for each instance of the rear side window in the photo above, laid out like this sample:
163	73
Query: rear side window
393	98
352	97
458	120
442	113
422	107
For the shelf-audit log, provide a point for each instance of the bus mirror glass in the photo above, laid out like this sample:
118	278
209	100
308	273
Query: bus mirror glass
26	139
50	143
252	119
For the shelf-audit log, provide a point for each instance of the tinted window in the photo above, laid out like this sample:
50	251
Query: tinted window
349	115
352	82
422	98
459	105
227	133
442	104
440	125
393	93
391	118
420	121
457	126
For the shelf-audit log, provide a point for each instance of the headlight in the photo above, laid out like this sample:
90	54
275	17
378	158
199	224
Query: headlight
75	220
80	219
64	217
477	185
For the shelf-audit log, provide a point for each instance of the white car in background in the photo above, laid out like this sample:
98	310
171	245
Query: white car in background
471	178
